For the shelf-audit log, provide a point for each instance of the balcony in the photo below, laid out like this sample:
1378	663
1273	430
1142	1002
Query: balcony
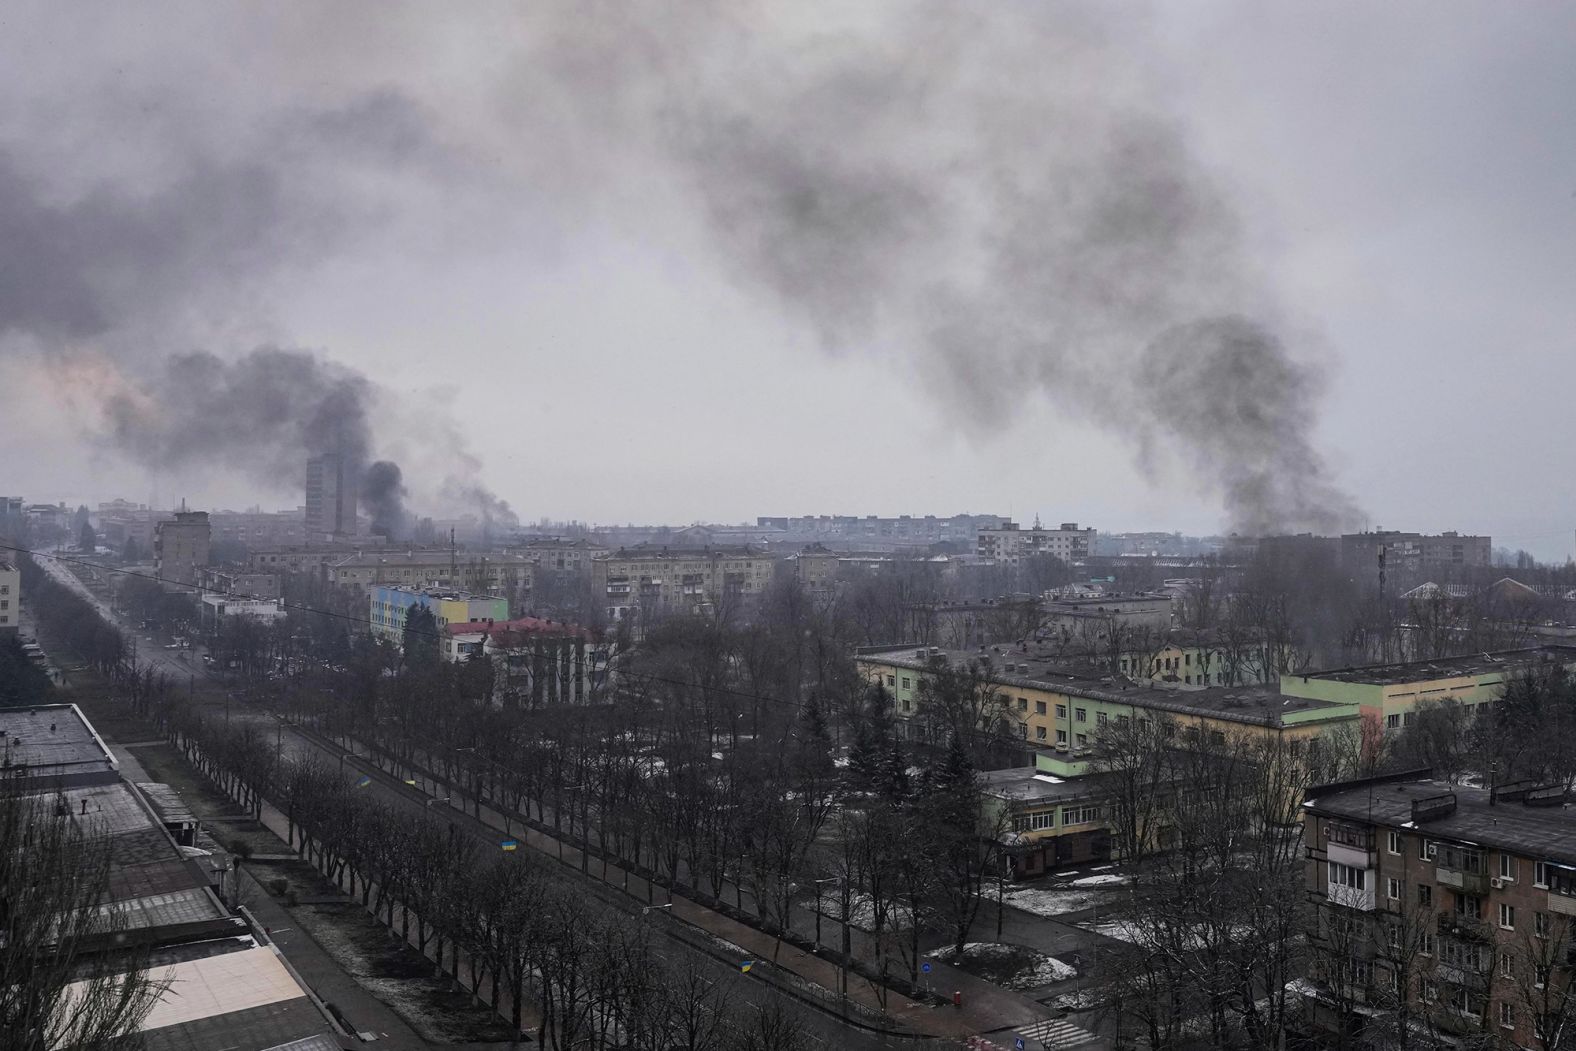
1361	900
1459	925
1462	879
1563	904
1353	856
1466	977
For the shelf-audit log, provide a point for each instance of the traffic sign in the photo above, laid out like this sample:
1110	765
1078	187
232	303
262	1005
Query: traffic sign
924	967
1017	1043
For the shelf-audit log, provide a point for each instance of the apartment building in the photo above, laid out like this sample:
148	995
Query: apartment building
180	547
566	555
10	597
537	661
655	581
1451	905
389	604
260	528
1009	544
504	573
1410	552
332	484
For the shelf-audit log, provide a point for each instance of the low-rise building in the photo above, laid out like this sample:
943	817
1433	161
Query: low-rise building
1449	906
221	980
1061	709
391	602
1388	694
1122	613
656	581
215	608
1047	820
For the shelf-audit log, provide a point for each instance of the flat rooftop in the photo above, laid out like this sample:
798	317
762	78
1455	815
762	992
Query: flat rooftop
1541	832
1026	784
1263	705
53	741
1510	661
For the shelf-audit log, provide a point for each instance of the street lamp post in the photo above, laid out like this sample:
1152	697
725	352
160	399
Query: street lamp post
817	885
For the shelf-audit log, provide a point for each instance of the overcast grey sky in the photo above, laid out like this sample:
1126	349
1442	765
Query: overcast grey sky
552	240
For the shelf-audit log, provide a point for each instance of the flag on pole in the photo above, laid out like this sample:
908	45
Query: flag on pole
744	968
510	844
366	779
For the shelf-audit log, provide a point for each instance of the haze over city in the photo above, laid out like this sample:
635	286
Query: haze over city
528	261
909	525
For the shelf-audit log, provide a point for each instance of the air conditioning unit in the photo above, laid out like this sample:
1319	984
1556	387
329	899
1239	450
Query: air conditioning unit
1496	882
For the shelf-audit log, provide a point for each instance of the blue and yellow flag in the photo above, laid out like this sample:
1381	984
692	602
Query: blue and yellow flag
510	844
744	968
365	780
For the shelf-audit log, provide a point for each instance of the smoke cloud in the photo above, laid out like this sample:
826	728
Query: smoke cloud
383	495
1003	203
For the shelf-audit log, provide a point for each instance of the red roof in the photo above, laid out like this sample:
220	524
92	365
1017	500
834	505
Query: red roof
520	625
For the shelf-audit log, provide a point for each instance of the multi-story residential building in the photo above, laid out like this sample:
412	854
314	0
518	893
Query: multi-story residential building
269	529
332	485
10	597
870	531
815	569
180	547
537	661
1060	709
568	555
12	506
1389	694
1445	908
389	604
506	573
655	581
1414	552
1009	544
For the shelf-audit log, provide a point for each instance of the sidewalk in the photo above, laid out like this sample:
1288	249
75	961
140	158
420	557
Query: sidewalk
325	977
987	1008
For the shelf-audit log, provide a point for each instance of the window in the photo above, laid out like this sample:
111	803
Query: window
1425	895
1425	942
1039	707
1507	867
1397	941
1081	714
1046	819
1083	740
1393	842
1507	966
1023	730
1100	718
1422	850
1061	736
891	680
1507	917
1023	705
1039	733
1540	975
1540	874
1348	877
1392	722
1430	991
1080	815
1507	1014
906	683
1061	711
1540	924
1392	889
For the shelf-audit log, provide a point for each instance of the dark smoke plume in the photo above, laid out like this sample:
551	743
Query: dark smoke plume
999	200
383	495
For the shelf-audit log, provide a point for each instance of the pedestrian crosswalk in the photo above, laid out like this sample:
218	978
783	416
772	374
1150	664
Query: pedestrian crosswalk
1056	1034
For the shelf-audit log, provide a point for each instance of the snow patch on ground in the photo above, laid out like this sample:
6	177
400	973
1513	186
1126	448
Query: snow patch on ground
1109	879
1012	967
1054	901
861	911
